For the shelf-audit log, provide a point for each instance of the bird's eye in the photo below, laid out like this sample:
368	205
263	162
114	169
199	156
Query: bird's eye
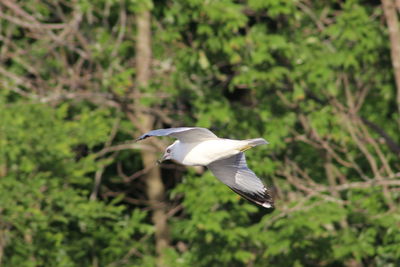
168	150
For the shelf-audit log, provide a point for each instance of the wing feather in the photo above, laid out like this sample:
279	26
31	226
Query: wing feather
236	175
184	134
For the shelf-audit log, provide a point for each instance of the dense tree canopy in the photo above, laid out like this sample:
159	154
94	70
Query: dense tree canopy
80	80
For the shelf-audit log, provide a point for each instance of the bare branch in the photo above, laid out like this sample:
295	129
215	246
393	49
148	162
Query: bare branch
30	25
33	23
388	181
138	174
393	146
97	182
126	146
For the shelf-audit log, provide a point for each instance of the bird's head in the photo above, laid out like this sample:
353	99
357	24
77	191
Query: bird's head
169	153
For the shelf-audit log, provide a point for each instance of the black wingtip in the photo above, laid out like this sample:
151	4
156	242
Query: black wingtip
265	200
141	138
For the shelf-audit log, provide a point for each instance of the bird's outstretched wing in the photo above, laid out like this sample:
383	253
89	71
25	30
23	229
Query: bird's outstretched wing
184	134
234	173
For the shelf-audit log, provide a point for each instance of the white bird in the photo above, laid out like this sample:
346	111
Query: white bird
223	157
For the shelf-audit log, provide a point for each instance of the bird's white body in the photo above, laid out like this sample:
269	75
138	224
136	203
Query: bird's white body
208	151
223	157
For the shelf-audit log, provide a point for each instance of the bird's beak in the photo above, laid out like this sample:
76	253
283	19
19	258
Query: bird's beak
163	158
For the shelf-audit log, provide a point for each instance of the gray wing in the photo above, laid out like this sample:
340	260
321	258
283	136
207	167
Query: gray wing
234	173
184	134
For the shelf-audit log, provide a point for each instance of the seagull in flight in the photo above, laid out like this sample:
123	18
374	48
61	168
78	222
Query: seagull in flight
223	157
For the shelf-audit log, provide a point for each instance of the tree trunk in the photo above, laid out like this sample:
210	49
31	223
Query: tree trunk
154	185
389	9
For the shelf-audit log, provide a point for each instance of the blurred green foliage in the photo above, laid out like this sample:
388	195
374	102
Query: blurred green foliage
46	217
311	77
